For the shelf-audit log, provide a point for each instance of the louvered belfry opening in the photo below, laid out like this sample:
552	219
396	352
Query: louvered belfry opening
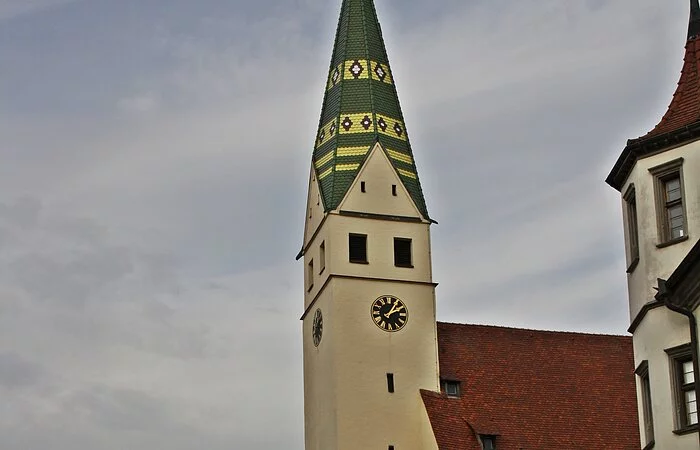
403	252
357	244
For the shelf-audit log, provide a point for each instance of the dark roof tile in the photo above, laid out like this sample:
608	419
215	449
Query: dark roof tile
534	389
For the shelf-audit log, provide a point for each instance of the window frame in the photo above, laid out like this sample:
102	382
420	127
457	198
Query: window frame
397	254
310	275
647	418
364	260
484	438
677	357
662	175
456	384
322	257
632	227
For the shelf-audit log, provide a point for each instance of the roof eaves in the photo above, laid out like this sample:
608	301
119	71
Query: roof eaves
646	146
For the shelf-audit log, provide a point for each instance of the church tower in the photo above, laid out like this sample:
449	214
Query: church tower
369	330
658	176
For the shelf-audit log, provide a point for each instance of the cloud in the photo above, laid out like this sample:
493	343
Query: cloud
138	103
10	9
149	296
16	372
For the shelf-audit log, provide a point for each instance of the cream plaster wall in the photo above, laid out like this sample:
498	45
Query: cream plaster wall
660	262
347	403
345	377
661	329
368	415
320	396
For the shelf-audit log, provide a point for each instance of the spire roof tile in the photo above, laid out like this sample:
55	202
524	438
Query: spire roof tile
360	108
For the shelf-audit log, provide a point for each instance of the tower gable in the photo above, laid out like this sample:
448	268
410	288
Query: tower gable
377	189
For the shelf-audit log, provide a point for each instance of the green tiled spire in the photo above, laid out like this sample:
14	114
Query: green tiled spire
360	108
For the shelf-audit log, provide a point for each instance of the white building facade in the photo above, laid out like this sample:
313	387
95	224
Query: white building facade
658	176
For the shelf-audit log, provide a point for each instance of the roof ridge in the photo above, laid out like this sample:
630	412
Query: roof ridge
501	327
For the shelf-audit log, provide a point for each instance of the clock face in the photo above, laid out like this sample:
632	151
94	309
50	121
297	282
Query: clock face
317	330
389	313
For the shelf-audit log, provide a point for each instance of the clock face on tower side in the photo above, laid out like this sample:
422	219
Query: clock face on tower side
389	313
317	329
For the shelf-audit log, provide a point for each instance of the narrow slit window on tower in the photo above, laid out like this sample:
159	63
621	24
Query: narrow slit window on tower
632	228
390	382
322	257
393	190
403	252
310	275
358	248
363	186
391	447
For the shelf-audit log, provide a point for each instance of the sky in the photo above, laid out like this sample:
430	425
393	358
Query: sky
154	160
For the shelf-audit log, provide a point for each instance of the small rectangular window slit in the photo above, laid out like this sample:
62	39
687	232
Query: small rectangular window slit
391	447
393	190
390	382
363	186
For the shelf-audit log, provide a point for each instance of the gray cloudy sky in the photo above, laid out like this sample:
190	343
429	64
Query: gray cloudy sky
153	165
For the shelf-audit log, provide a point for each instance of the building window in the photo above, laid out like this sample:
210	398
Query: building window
670	207
681	361
488	442
391	447
390	382
393	190
632	227
322	257
402	252
310	275
645	390
358	248
452	388
363	186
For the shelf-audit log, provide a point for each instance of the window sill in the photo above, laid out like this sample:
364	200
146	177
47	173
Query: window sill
405	266
649	446
672	242
310	288
359	262
633	266
686	430
322	270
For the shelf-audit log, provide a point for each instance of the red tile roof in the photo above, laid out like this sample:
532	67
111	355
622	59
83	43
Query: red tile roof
685	106
534	390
